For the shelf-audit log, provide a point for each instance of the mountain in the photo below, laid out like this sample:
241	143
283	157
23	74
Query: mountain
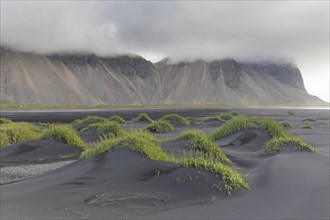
87	79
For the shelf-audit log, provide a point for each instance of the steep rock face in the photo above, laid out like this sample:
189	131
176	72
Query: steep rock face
87	79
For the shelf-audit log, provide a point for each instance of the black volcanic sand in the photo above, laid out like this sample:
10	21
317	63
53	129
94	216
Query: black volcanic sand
124	184
105	187
35	152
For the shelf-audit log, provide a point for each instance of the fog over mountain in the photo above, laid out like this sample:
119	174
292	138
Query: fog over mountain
294	32
87	79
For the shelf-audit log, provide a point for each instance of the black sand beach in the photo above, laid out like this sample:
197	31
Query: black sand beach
124	184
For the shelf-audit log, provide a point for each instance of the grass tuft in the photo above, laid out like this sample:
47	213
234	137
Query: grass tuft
226	116
291	113
308	126
108	128
143	144
134	141
280	144
213	118
4	121
176	118
309	120
160	127
199	141
143	117
271	127
237	124
16	132
287	124
88	120
231	178
63	133
118	119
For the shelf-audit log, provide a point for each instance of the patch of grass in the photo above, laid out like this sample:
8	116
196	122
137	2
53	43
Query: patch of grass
88	120
235	113
231	178
199	141
308	120
143	144
16	132
160	127
134	141
4	121
237	124
226	116
291	113
307	126
280	144
65	133
271	127
213	118
143	117
118	119
287	124
108	128
176	118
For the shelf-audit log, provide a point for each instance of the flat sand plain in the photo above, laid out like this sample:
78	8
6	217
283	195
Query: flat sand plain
122	184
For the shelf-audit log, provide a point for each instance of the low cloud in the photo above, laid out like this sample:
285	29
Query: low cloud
253	31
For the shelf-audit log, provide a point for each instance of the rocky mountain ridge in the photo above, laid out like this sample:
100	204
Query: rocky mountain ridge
88	79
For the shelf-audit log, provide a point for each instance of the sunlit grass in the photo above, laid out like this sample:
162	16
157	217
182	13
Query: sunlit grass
64	133
175	118
280	144
4	121
118	119
160	127
88	120
197	140
107	128
270	126
144	144
16	132
143	117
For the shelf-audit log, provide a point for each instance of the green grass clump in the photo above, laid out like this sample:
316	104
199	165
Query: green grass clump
143	144
199	141
63	133
88	120
231	178
118	119
236	124
212	118
287	124
279	144
16	132
134	141
4	121
108	128
160	127
308	126
143	117
271	127
309	120
235	113
226	116
176	118
291	113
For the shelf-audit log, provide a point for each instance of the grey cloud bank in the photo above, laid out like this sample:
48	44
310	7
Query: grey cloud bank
249	31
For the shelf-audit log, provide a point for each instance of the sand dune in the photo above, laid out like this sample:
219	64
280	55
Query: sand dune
124	184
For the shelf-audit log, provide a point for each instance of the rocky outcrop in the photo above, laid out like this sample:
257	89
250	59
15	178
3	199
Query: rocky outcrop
87	79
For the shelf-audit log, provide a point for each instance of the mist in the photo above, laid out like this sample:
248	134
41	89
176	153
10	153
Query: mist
246	31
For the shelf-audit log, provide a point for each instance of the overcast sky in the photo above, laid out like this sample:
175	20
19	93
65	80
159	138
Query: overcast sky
182	30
